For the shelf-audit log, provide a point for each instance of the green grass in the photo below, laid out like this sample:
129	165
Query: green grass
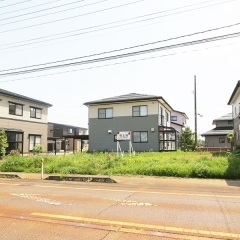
172	164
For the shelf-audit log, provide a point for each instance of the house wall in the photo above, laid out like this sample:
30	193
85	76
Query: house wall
25	123
27	128
100	139
180	118
236	117
223	123
213	141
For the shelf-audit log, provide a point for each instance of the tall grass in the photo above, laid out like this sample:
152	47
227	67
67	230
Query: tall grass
174	164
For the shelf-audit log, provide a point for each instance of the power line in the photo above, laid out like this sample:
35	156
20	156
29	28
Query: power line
114	57
30	7
92	27
114	64
127	48
48	13
81	15
15	3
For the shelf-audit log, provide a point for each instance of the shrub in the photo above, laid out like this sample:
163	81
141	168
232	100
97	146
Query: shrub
38	149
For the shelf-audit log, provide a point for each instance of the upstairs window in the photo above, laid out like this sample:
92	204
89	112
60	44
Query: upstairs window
35	112
173	118
139	111
105	113
15	109
167	116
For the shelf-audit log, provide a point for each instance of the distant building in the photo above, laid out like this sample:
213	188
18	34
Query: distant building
217	137
235	102
24	120
146	117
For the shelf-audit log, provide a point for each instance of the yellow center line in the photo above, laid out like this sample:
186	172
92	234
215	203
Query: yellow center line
131	191
137	225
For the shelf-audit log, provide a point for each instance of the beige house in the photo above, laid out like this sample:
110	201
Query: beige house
24	120
217	137
235	102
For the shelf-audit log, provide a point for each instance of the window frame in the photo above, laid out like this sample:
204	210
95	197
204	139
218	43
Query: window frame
139	111
15	108
140	137
34	142
104	113
35	115
174	118
221	140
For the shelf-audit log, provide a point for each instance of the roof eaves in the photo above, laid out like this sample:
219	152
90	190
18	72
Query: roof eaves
234	92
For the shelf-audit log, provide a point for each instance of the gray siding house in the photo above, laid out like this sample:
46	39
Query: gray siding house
217	137
235	102
146	117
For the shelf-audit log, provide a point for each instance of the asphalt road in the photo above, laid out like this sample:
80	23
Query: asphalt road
133	208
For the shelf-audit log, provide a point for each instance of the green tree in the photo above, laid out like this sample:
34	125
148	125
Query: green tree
3	143
230	136
187	140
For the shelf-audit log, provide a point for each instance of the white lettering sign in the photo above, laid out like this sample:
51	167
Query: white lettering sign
123	136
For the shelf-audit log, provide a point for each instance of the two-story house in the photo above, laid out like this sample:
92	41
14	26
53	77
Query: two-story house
146	117
217	137
24	120
62	137
235	102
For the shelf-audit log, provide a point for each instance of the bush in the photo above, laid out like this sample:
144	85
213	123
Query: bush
38	149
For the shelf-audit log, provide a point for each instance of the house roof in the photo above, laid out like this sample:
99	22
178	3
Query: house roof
184	114
223	118
19	96
65	125
235	91
131	97
218	131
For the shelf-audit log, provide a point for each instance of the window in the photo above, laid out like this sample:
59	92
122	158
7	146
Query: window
15	141
35	112
167	116
105	113
173	118
140	137
139	111
33	141
15	109
221	140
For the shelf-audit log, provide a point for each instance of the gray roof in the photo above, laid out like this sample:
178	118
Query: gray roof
66	125
131	97
223	118
234	92
218	131
19	96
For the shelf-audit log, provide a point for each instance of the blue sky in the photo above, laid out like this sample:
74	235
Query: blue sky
99	26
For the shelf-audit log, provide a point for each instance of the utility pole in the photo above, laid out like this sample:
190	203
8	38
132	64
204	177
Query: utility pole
195	110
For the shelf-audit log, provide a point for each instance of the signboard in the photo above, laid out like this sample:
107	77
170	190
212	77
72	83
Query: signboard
124	136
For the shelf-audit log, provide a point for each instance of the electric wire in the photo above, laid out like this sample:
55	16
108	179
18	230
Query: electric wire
15	4
17	10
64	10
114	64
124	55
71	17
81	33
127	48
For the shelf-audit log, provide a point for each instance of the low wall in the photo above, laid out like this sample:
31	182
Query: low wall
213	149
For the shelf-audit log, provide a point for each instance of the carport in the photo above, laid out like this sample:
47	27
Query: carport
75	137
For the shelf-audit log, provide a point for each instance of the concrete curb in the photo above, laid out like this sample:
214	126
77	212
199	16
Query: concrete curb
79	178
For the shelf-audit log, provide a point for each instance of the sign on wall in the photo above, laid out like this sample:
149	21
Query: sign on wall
124	136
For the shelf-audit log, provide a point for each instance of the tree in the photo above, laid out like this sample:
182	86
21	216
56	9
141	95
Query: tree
3	143
230	136
187	140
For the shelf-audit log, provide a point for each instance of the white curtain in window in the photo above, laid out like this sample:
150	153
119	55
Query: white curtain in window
38	113
143	111
18	110
31	142
143	136
109	112
136	137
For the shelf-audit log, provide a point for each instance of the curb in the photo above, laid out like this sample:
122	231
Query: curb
7	175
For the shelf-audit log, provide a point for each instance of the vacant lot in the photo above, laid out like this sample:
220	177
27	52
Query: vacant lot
175	164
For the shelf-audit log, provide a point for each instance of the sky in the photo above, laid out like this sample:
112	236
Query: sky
39	32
